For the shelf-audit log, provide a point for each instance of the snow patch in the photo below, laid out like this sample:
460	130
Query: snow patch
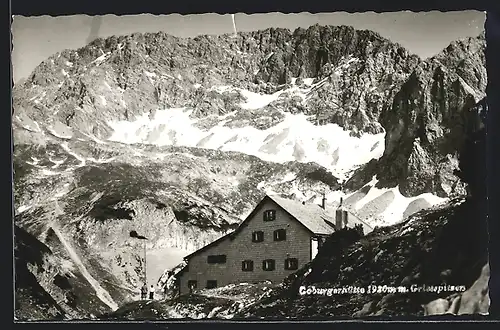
221	89
333	197
47	172
61	136
406	230
308	81
57	163
28	124
397	208
37	98
351	60
294	139
394	212
470	90
103	100
95	139
253	100
100	59
60	194
159	156
289	177
268	56
69	151
256	100
138	153
167	75
68	63
107	85
101	161
372	194
150	74
23	208
432	199
68	266
64	73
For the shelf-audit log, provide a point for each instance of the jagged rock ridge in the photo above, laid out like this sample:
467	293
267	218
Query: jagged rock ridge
97	191
147	71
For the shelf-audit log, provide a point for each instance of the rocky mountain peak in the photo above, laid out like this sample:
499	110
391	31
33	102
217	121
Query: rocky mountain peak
183	136
431	107
356	73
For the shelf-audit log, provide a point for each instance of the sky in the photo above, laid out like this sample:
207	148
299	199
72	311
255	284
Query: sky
424	33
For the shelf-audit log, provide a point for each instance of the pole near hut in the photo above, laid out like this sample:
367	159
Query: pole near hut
134	234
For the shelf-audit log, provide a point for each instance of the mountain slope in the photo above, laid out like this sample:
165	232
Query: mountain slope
443	246
333	74
92	208
435	262
48	283
31	299
179	138
427	122
435	251
115	69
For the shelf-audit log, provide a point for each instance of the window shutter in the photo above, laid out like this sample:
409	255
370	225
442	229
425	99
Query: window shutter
247	265
291	264
269	215
217	259
268	265
280	235
257	236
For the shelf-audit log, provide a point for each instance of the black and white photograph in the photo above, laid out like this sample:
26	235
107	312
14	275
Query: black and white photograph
250	166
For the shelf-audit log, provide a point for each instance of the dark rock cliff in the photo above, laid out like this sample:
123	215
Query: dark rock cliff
426	124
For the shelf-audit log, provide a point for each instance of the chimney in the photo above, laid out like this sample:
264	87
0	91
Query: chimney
338	219
340	216
323	202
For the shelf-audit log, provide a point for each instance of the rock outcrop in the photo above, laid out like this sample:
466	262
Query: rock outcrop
426	123
80	193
